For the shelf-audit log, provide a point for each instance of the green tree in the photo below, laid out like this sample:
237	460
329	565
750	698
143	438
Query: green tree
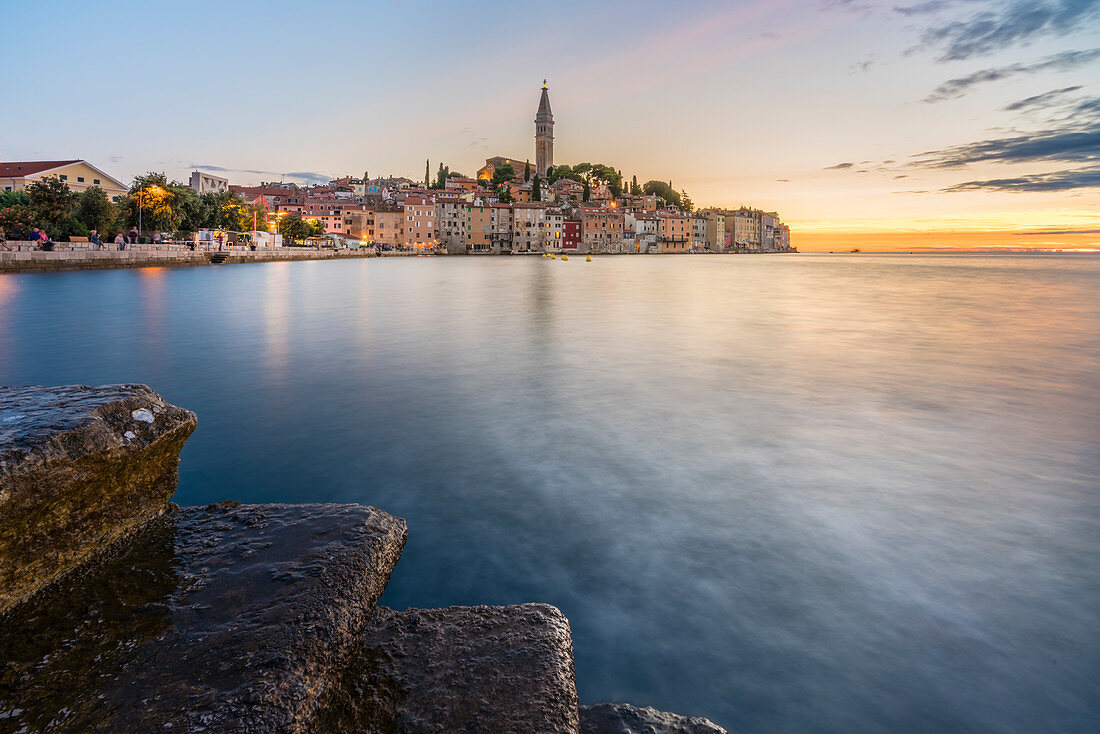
316	228
635	189
663	191
587	192
527	171
686	203
504	194
503	173
52	201
293	228
427	172
96	210
14	198
536	189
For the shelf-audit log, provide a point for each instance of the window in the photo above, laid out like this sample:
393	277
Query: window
80	179
64	177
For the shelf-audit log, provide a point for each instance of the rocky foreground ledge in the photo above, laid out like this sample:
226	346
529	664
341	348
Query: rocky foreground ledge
121	612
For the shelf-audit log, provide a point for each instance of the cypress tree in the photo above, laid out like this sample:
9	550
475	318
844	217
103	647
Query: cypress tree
527	171
586	192
536	189
427	172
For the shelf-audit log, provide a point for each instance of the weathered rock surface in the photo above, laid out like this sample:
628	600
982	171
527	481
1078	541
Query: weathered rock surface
228	618
80	467
622	718
460	669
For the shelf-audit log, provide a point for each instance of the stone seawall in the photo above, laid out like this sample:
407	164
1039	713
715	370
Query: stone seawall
122	612
32	260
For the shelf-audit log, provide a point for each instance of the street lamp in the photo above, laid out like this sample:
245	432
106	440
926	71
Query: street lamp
141	204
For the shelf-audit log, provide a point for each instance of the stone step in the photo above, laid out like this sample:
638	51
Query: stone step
80	468
459	669
227	618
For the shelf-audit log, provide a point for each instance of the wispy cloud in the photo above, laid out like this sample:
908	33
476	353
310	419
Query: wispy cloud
1058	62
839	167
302	176
1067	145
1006	24
1042	101
1057	181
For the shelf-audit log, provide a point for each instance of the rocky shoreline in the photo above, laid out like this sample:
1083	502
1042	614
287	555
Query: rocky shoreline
120	611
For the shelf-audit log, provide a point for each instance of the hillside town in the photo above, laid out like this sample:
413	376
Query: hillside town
509	206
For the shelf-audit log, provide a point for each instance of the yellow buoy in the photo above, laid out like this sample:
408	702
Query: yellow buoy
564	257
588	259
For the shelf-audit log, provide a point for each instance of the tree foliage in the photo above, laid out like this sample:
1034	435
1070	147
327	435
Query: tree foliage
51	201
503	173
663	191
294	229
442	175
635	189
536	189
96	210
527	171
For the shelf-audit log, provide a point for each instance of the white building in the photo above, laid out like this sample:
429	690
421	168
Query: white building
204	183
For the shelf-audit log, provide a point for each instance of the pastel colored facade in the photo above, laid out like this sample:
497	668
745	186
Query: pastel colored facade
388	229
716	230
78	175
555	222
673	231
420	223
205	183
478	225
459	183
601	229
746	229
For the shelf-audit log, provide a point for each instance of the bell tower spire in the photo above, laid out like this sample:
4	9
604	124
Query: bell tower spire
544	134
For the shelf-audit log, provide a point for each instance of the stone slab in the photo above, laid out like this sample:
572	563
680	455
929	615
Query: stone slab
80	468
227	618
622	718
460	669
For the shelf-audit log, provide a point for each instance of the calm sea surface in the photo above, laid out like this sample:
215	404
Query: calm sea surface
791	493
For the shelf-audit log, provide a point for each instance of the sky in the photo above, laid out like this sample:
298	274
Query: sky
916	124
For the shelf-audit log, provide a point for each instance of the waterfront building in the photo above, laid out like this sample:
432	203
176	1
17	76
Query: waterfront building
673	231
451	217
552	233
77	174
500	228
746	229
544	134
419	224
570	235
388	221
716	229
478	224
601	229
699	239
528	226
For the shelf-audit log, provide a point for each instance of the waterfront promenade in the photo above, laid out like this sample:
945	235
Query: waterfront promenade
22	256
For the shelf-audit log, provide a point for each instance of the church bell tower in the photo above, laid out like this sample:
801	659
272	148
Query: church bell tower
544	134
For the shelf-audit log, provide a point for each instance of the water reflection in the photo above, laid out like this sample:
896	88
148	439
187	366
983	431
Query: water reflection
789	493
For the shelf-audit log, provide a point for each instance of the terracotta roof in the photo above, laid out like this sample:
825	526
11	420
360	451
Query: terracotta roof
16	169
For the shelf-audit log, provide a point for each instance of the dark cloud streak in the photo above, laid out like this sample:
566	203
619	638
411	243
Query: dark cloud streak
1042	101
1006	24
1058	62
1057	181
